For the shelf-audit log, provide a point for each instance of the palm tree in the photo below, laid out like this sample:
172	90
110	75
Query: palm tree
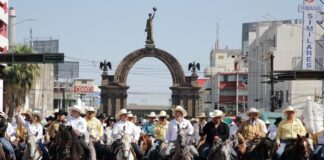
19	80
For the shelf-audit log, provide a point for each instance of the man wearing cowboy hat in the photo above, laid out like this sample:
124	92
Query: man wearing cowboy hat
78	123
251	128
53	128
95	129
5	143
123	126
288	129
273	128
198	127
179	113
215	130
235	125
148	127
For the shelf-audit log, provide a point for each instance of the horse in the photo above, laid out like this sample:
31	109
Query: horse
181	151
220	150
145	143
299	149
66	145
32	150
125	151
259	149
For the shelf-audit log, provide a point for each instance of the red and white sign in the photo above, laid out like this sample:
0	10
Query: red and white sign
83	89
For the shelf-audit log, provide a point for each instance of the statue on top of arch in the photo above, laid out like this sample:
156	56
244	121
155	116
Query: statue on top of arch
149	27
193	67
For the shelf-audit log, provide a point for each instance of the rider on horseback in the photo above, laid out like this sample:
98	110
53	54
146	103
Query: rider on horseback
122	127
34	128
53	128
198	127
215	130
95	129
288	130
148	127
172	132
5	143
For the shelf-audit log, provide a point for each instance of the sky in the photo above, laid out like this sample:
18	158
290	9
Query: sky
97	30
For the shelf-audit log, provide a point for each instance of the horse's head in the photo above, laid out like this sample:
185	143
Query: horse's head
32	145
182	137
126	145
266	146
145	142
304	145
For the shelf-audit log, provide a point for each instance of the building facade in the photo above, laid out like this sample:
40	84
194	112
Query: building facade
227	88
282	39
4	43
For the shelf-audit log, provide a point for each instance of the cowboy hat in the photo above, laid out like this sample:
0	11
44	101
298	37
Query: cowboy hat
37	113
76	108
151	115
193	120
27	112
90	109
289	108
252	110
56	110
201	115
181	109
120	112
267	122
163	114
216	113
130	115
278	120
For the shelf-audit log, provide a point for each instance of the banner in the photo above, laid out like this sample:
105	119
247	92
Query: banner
313	116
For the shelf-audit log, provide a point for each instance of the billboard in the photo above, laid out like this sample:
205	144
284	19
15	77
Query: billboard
83	89
66	70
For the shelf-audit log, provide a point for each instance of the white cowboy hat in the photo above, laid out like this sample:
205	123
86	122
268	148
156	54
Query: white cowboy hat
90	109
181	109
193	120
27	112
267	122
216	113
120	112
201	115
289	108
252	110
130	115
56	110
163	114
151	115
76	108
37	113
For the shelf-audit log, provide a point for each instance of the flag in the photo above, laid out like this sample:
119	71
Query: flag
313	116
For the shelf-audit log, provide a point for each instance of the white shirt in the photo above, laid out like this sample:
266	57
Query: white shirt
264	125
233	129
196	136
320	139
32	129
122	127
173	129
272	131
11	130
78	124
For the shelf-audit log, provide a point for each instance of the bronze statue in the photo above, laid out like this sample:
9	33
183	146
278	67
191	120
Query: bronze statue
104	65
193	66
149	27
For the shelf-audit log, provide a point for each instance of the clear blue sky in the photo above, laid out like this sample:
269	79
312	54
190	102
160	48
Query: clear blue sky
95	30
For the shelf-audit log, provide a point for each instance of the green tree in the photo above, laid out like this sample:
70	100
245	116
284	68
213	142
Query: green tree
19	80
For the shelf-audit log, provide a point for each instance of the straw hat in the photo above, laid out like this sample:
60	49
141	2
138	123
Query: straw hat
120	112
90	109
151	115
252	110
76	108
163	114
37	113
267	122
216	113
27	112
289	108
201	115
193	120
181	109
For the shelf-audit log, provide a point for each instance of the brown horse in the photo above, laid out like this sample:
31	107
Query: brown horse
299	149
259	149
145	143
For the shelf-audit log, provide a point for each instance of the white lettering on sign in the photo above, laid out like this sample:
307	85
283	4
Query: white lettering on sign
309	27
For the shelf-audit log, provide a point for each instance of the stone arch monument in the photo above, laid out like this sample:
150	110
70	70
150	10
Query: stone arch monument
185	91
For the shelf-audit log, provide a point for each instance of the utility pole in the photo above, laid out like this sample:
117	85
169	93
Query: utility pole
271	83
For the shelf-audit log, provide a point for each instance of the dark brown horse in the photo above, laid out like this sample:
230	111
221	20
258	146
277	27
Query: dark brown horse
66	145
258	149
299	149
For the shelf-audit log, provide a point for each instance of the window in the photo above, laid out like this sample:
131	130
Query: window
225	78
84	82
220	57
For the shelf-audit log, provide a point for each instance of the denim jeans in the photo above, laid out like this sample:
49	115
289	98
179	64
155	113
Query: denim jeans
281	149
138	151
205	151
7	147
44	150
318	151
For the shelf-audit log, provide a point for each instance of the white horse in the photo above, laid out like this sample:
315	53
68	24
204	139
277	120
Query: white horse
32	150
125	151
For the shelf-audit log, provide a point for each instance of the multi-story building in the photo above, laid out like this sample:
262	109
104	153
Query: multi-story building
4	43
282	39
227	89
